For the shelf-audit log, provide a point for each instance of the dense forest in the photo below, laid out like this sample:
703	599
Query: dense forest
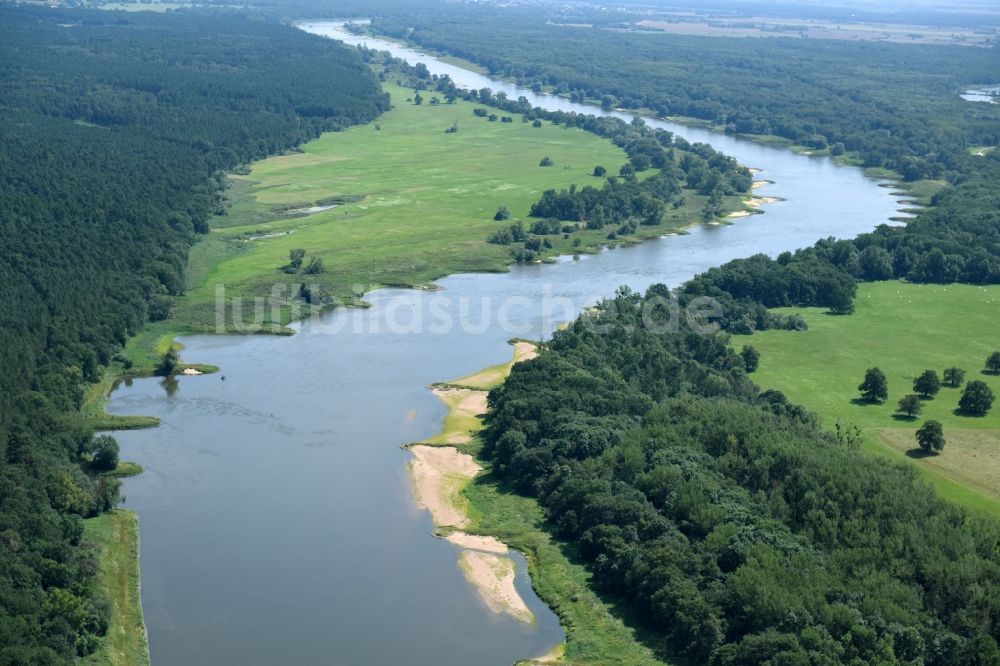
725	518
114	130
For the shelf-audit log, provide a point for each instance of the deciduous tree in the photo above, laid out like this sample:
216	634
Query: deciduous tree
875	387
927	384
930	436
977	398
105	451
910	405
170	363
751	358
954	377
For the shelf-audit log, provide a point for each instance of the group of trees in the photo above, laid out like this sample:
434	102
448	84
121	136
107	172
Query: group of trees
296	263
115	130
976	400
725	518
624	201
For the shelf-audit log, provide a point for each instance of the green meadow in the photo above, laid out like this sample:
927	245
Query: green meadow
411	203
427	198
903	329
115	539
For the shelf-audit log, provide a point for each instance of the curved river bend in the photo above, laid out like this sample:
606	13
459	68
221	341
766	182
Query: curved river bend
277	520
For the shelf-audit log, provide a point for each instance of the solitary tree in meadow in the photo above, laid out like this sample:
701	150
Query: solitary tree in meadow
600	171
503	213
546	161
930	436
418	99
977	399
927	384
910	405
841	300
954	377
751	358
993	363
875	387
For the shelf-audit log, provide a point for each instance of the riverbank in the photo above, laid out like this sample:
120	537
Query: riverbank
484	520
115	540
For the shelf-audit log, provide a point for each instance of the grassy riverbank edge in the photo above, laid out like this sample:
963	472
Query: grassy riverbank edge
115	539
594	633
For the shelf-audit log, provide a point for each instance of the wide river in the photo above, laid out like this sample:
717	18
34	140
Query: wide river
277	520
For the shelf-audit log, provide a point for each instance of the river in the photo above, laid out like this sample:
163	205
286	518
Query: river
277	521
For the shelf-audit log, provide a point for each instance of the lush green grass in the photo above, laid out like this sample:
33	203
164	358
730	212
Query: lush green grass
115	536
97	398
902	329
429	197
493	376
922	191
426	207
124	469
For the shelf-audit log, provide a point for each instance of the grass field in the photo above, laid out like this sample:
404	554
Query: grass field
413	204
902	329
428	199
115	536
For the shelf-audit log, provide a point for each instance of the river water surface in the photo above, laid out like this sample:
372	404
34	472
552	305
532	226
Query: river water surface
277	521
